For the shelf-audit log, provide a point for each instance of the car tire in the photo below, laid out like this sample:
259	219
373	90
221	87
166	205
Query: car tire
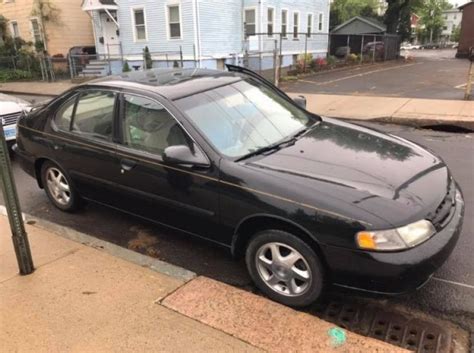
295	279
59	188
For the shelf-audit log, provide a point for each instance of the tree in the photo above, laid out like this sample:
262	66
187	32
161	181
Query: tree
343	10
397	16
431	15
456	33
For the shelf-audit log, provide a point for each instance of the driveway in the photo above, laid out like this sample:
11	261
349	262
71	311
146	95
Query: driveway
431	74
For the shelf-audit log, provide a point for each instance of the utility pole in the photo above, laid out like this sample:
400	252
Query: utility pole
19	237
470	75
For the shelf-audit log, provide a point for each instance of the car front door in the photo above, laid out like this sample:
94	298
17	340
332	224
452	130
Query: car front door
84	144
180	196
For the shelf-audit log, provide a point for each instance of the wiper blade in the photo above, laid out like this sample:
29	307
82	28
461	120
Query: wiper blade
275	146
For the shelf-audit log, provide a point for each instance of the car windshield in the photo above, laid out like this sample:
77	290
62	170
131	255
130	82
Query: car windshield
244	117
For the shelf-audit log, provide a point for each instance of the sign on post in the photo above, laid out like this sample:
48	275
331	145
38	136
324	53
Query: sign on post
19	237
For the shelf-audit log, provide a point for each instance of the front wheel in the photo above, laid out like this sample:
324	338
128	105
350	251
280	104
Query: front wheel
59	188
285	268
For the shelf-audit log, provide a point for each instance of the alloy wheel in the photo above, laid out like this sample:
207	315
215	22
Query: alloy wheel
283	269
58	186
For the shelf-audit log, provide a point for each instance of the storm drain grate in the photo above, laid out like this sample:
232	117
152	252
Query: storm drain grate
392	327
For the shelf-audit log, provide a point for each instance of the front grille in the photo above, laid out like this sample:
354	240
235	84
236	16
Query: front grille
10	119
444	209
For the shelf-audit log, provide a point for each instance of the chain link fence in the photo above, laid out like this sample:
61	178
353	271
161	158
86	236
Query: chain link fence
271	55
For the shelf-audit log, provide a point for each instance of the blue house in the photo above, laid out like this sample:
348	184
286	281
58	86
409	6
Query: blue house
208	33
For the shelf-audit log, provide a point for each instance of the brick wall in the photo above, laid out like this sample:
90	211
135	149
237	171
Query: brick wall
467	30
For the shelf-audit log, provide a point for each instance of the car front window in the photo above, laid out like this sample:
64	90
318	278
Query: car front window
243	117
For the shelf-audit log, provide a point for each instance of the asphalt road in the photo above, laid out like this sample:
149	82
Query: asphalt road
450	294
432	74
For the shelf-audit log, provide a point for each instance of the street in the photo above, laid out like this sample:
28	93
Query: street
449	294
432	74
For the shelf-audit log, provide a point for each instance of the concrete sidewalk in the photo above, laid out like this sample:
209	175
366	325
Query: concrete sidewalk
405	111
83	299
39	88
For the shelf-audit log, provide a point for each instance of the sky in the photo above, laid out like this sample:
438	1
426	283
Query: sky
458	2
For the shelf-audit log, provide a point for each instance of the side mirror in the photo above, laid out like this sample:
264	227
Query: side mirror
300	101
182	154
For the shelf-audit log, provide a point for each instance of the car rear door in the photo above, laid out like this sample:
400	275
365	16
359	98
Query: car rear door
84	144
184	197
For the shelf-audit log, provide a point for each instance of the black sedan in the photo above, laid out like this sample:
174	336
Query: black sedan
226	156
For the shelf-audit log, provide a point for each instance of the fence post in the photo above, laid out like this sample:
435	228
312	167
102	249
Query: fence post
348	46
71	72
280	60
19	236
108	59
373	51
194	51
361	50
51	69
276	64
305	51
181	55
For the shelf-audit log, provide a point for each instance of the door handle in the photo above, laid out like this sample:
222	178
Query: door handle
127	165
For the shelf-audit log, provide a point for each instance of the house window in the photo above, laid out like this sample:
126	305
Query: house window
139	24
36	30
284	22
320	22
270	18
174	22
249	22
310	24
14	28
296	22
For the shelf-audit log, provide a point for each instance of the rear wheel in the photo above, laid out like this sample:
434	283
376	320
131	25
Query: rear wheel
285	268
58	187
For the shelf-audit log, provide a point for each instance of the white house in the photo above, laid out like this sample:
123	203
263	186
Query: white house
208	33
452	19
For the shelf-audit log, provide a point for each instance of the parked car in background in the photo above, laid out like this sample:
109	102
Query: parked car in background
11	108
409	46
378	47
229	157
430	46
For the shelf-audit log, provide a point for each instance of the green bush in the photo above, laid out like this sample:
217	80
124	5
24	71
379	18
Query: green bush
147	58
14	75
331	60
126	67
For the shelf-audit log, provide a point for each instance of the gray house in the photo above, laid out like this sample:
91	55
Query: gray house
360	25
207	33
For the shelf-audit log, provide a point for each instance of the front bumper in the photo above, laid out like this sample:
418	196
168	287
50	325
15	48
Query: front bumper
396	272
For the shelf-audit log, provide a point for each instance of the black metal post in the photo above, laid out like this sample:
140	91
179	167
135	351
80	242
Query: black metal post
19	237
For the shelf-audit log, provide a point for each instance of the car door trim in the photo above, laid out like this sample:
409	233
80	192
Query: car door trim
163	200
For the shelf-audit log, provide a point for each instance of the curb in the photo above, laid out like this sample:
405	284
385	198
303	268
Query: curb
109	248
467	124
28	93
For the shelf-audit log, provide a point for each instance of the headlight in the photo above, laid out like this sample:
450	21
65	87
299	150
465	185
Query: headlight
396	239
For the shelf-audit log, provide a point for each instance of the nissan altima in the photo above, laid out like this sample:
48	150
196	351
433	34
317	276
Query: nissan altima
227	156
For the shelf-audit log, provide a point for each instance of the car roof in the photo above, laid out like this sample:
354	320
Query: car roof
172	83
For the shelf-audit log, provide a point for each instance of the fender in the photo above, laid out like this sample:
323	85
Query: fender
236	235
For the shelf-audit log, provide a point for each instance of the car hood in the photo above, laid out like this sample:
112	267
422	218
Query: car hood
388	177
10	104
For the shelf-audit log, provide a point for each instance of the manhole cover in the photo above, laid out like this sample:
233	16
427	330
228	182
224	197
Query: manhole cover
395	328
